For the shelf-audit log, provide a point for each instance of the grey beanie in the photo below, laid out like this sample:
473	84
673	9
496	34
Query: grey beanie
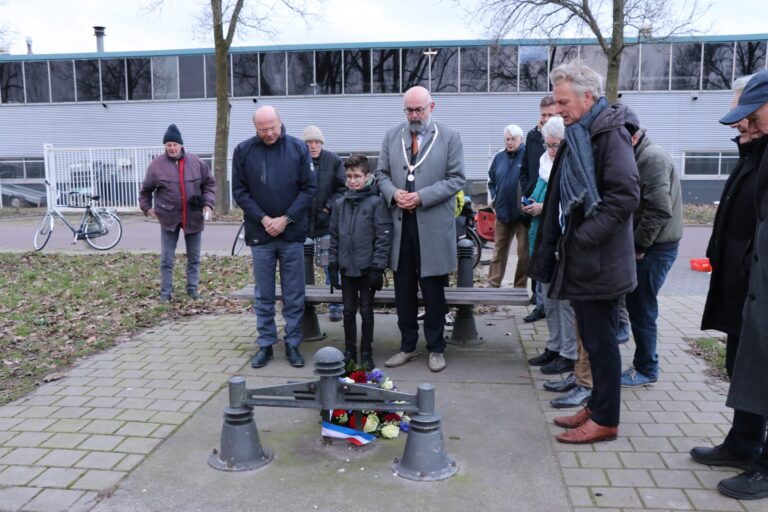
312	132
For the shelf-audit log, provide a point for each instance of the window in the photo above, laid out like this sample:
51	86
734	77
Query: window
444	76
474	69
709	163
503	68
357	71
750	57
36	79
562	55
165	78
629	69
35	168
654	71
191	77
11	82
272	74
62	80
11	169
210	77
329	72
139	79
245	73
718	66
686	66
593	56
415	67
533	68
301	80
386	71
88	83
113	79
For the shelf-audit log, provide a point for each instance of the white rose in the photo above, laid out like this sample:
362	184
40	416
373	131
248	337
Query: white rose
390	431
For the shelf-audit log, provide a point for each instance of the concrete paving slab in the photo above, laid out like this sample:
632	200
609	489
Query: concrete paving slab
492	426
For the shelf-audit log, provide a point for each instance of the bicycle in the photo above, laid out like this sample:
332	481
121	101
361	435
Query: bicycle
100	227
469	228
239	242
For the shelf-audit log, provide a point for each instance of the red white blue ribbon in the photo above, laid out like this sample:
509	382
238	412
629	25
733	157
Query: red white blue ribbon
355	437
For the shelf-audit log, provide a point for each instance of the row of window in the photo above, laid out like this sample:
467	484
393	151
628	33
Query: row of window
654	67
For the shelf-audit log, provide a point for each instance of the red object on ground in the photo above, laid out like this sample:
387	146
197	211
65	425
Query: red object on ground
701	265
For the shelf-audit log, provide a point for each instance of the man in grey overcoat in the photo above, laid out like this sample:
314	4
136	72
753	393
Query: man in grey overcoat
420	171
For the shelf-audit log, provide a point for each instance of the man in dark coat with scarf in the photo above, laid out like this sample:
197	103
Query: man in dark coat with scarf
748	392
585	247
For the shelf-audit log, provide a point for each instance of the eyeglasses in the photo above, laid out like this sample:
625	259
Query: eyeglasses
551	146
419	110
270	129
356	178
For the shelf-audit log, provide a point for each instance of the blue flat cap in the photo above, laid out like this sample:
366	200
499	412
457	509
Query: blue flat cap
754	96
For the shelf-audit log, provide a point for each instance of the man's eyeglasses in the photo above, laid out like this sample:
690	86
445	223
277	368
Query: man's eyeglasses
551	146
418	110
270	129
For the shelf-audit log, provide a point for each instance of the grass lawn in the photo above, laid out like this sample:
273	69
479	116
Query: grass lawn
57	308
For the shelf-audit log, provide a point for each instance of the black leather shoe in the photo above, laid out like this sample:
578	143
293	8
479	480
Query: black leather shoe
536	314
559	365
576	397
366	361
750	485
544	358
719	456
561	386
293	356
262	357
350	356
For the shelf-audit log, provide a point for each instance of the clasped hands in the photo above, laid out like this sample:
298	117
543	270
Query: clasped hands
274	226
407	200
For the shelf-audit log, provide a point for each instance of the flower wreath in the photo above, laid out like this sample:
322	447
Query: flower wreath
386	424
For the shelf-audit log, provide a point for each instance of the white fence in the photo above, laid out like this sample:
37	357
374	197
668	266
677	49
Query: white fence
114	174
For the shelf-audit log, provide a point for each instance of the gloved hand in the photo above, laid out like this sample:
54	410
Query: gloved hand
334	276
376	279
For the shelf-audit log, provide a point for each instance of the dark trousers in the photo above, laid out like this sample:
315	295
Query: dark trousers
356	292
598	325
408	280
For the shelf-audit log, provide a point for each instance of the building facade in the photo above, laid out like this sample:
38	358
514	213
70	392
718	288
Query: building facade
679	88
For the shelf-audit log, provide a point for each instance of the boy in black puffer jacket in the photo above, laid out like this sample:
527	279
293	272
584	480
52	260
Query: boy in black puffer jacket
361	237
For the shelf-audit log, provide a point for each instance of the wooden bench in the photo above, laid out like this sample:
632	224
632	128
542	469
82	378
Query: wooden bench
454	296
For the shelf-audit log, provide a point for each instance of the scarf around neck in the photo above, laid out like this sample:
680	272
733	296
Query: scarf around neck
577	177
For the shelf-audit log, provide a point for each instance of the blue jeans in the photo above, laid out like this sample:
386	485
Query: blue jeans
168	241
643	307
265	259
332	307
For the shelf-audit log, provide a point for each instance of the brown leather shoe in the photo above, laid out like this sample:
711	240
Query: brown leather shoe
589	432
575	420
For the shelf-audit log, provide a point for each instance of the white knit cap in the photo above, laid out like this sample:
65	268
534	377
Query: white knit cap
312	132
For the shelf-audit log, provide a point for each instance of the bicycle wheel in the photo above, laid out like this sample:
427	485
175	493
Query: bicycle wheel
472	235
103	230
43	232
239	242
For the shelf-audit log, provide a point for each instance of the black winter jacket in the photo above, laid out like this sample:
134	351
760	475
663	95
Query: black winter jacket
273	180
329	173
529	171
594	259
731	244
361	232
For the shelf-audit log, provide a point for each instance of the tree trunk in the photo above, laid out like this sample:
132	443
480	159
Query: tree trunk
221	145
614	52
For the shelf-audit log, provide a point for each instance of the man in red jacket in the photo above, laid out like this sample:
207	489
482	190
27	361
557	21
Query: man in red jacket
179	190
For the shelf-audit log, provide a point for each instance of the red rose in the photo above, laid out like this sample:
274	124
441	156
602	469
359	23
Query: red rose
391	417
359	377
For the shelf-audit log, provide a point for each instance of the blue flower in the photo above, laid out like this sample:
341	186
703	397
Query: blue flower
405	426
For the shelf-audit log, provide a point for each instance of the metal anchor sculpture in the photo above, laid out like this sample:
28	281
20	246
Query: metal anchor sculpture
424	457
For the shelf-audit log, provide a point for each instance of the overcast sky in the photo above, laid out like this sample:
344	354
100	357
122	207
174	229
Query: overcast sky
65	26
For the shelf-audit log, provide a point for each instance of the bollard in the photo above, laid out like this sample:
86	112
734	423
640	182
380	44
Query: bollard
240	448
464	328
310	327
329	366
424	458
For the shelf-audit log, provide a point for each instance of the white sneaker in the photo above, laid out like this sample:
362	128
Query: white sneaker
436	362
400	359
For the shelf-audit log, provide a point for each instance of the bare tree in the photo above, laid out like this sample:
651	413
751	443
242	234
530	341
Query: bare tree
226	19
608	20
